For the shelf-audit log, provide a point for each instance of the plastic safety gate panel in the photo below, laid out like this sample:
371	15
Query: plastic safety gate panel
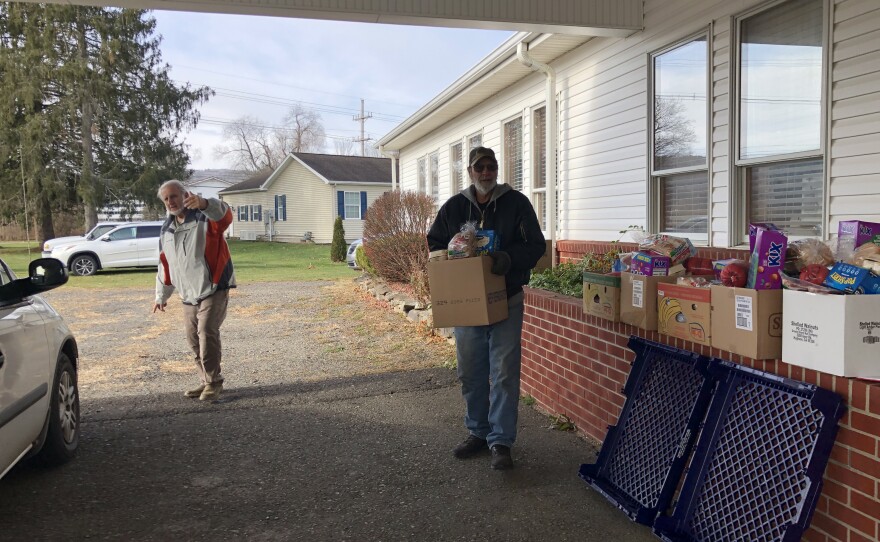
756	472
762	444
643	456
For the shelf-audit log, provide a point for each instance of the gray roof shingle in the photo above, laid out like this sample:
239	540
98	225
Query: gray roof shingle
333	167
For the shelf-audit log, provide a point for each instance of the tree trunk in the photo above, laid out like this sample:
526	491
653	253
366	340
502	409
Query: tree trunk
44	215
88	186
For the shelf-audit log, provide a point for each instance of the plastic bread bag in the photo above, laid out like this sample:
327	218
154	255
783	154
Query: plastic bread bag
677	249
463	243
623	261
694	281
867	251
792	283
804	252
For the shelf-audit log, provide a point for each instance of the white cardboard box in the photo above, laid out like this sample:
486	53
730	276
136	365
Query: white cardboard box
835	334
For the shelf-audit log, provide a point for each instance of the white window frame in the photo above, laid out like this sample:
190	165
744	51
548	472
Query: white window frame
422	174
739	219
655	203
502	160
346	205
458	175
470	144
537	137
433	187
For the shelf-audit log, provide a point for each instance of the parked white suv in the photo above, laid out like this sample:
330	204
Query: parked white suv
134	244
100	229
39	397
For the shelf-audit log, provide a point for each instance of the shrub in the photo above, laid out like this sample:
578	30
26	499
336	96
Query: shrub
360	258
568	278
337	249
394	235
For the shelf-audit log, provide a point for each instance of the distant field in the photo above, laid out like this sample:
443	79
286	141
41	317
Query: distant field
254	261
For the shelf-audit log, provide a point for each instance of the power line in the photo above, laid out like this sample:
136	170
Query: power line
227	122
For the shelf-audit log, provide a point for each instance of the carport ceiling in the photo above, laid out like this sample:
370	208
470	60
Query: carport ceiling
580	17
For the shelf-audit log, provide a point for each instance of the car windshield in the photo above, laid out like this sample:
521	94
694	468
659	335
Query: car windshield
98	231
6	275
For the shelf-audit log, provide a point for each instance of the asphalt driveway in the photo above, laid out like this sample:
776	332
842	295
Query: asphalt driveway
312	443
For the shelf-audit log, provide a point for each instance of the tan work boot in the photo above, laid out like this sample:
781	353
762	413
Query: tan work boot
195	392
211	392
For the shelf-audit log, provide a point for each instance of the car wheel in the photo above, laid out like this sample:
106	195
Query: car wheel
84	266
62	433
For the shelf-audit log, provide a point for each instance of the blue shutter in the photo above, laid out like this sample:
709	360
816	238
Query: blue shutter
276	207
363	205
284	203
340	201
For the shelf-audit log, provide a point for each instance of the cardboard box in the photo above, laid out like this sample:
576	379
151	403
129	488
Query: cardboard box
602	295
464	292
835	334
546	261
638	299
684	312
747	322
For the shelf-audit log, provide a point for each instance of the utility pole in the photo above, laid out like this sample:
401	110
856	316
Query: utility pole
362	118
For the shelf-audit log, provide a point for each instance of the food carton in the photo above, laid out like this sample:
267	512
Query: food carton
854	233
767	261
464	292
649	265
602	295
684	312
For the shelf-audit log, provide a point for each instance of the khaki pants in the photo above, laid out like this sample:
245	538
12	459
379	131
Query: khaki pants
202	324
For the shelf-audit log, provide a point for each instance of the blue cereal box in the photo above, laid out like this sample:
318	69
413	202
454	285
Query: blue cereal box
852	280
649	265
487	242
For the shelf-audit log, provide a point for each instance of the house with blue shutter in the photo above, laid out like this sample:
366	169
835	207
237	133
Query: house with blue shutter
305	194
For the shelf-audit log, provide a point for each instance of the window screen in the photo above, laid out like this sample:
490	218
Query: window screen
434	161
423	175
475	141
513	173
456	167
352	205
539	164
685	200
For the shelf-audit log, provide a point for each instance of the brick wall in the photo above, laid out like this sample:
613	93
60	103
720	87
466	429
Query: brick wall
577	365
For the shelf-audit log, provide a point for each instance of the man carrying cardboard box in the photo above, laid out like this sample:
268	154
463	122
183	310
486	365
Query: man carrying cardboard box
492	352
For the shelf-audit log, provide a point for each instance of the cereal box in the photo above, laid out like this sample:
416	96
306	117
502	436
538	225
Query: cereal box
768	258
487	242
852	280
753	231
855	233
649	265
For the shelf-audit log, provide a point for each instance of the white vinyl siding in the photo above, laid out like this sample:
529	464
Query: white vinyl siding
854	157
603	99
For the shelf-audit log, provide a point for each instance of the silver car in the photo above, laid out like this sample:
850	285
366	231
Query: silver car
134	244
39	397
352	250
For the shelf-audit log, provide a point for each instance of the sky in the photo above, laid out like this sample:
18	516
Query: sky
260	66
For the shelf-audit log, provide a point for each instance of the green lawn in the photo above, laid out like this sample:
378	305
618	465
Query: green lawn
254	261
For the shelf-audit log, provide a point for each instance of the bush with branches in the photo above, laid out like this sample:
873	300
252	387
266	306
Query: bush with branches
394	237
338	247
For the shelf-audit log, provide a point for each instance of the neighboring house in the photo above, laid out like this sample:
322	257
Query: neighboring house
208	187
305	194
715	115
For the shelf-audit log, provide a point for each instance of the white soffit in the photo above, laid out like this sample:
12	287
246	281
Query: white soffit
583	17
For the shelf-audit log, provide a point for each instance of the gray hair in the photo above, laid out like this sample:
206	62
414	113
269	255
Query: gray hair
173	182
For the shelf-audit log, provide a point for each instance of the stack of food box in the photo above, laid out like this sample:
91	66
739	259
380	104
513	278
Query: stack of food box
788	300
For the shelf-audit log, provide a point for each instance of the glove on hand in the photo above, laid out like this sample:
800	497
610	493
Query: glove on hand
500	262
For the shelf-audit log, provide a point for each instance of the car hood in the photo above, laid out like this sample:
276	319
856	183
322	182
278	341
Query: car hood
63	241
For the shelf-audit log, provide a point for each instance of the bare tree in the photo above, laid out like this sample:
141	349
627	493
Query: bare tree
344	147
252	145
673	132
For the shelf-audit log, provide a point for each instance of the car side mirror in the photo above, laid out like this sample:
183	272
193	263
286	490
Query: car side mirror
106	239
43	274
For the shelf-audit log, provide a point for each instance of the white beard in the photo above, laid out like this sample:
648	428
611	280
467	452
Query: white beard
484	187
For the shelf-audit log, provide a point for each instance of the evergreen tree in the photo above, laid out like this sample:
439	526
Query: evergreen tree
337	248
88	112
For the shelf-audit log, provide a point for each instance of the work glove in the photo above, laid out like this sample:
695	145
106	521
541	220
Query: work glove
500	262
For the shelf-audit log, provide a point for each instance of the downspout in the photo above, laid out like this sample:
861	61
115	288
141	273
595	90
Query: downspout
394	155
522	54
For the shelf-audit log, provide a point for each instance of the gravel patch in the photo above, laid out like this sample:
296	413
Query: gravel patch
274	333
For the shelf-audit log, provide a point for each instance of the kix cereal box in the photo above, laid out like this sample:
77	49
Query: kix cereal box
768	258
649	265
852	234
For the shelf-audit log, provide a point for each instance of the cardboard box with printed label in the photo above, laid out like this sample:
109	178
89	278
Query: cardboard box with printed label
684	312
464	292
638	299
747	322
602	295
835	334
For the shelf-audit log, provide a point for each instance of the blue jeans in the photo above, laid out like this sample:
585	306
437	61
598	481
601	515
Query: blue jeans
489	359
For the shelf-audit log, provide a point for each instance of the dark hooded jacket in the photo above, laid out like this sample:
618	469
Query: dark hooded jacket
510	214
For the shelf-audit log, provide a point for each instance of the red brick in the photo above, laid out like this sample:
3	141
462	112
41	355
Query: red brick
864	422
856	520
865	464
856	537
826	381
874	393
797	373
835	491
865	505
850	477
841	387
858	441
826	524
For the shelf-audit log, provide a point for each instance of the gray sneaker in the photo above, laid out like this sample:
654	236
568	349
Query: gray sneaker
211	392
195	392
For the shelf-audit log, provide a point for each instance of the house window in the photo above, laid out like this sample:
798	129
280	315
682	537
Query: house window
679	162
539	165
779	97
513	153
456	167
352	206
434	163
243	212
423	175
256	213
281	207
474	141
